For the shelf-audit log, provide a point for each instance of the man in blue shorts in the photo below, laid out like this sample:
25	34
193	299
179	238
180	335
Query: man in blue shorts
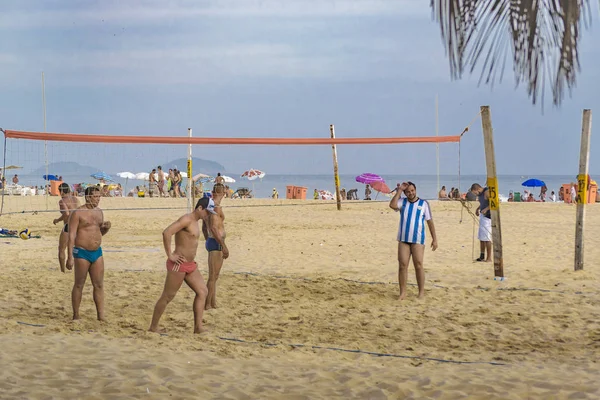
86	228
214	233
411	234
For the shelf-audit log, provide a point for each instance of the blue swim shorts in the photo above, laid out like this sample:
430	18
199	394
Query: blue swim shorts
89	255
213	245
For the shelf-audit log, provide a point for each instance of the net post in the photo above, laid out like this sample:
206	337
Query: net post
189	173
492	184
437	144
582	186
47	185
335	170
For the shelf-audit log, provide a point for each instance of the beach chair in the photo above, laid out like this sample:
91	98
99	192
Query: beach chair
517	197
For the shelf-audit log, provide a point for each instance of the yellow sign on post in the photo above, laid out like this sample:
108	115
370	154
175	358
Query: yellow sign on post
582	188
492	184
189	169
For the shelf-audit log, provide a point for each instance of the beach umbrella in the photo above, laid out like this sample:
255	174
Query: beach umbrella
102	176
11	167
368	178
200	177
142	176
253	174
50	177
380	187
533	183
127	176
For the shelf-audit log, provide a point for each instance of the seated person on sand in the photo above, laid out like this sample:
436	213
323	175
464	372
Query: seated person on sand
511	196
561	194
552	196
118	190
275	194
316	195
442	193
530	198
343	194
368	192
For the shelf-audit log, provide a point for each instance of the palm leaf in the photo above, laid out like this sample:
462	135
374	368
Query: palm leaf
543	36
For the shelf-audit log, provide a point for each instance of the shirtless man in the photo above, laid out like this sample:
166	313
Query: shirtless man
86	228
214	233
152	183
219	178
67	203
181	265
161	182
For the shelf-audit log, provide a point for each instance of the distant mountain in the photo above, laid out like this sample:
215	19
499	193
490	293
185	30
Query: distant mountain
198	165
65	168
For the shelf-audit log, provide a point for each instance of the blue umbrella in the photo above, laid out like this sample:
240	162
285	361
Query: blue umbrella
533	183
50	177
102	176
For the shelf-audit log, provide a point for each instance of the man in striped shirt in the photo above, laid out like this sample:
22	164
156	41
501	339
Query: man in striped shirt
411	234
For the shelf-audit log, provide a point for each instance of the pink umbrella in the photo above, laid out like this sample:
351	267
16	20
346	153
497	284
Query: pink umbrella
253	174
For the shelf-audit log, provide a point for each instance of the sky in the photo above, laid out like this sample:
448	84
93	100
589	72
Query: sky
262	68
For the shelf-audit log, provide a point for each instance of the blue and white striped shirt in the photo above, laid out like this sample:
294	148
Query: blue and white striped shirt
412	220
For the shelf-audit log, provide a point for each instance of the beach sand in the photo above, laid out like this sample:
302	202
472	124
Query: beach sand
308	309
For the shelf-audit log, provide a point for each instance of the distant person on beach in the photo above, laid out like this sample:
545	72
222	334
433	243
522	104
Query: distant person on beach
573	194
442	193
552	196
66	204
181	265
86	228
152	185
316	195
275	194
213	229
219	178
485	222
161	182
368	192
411	234
15	179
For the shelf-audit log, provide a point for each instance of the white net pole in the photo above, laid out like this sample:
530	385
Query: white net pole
47	185
189	173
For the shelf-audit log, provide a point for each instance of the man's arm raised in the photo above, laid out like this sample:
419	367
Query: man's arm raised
394	201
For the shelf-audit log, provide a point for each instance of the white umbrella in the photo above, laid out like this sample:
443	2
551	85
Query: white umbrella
197	177
142	176
127	176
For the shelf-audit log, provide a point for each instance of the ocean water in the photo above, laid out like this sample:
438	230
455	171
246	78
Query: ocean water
427	186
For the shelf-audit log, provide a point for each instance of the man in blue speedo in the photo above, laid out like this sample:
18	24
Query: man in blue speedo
214	233
86	228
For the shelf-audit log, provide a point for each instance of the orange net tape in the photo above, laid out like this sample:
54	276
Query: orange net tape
70	137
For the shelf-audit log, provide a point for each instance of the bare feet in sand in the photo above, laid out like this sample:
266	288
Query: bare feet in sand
402	297
157	330
200	330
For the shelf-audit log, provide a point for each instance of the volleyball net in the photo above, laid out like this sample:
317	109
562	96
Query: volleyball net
35	163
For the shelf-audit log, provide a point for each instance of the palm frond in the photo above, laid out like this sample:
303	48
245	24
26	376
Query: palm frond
543	36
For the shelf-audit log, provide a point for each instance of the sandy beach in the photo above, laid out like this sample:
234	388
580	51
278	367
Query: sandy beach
308	308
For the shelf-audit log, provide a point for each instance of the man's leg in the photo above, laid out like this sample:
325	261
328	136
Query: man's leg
488	248
63	240
172	284
215	263
403	259
97	278
196	283
81	270
481	251
418	251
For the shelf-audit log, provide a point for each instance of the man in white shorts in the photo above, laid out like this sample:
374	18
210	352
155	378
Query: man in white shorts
485	222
